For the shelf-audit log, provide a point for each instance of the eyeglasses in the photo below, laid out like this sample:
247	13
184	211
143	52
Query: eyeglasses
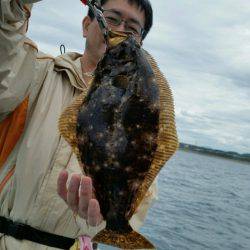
114	19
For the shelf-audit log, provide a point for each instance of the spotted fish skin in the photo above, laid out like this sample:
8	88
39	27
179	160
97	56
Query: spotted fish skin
117	130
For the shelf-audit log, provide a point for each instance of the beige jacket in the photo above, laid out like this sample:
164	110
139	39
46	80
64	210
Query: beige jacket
28	176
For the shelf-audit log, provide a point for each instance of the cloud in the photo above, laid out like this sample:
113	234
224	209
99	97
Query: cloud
203	49
200	37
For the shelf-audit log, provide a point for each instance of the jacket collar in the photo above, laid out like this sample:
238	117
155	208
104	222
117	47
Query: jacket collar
70	63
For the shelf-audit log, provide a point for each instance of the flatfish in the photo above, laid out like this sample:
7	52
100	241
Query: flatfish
123	132
117	130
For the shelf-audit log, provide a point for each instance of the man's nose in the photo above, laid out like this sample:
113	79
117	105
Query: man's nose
121	26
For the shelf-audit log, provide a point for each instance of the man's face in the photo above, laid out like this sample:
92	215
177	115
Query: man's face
94	39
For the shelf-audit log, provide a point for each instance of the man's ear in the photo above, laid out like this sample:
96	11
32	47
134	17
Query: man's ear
85	25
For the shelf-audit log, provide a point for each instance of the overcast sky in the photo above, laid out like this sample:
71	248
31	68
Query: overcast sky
202	47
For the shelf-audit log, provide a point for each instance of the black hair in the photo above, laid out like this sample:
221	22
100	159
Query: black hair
143	5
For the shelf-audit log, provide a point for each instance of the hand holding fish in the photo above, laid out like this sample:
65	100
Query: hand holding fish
79	197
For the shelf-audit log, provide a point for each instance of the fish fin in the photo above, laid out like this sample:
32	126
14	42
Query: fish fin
131	240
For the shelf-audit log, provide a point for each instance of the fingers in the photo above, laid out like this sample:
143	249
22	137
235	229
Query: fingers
86	191
73	192
61	185
94	213
79	197
89	208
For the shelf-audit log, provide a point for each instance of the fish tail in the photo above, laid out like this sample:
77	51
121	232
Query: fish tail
131	240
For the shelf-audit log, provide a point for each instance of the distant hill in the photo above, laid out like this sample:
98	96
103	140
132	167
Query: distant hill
209	151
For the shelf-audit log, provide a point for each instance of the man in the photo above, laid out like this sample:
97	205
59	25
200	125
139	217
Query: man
34	90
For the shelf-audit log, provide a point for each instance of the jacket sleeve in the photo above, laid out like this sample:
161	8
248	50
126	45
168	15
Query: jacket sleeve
17	55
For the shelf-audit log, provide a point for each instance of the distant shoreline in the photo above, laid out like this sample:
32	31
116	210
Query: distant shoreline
215	152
